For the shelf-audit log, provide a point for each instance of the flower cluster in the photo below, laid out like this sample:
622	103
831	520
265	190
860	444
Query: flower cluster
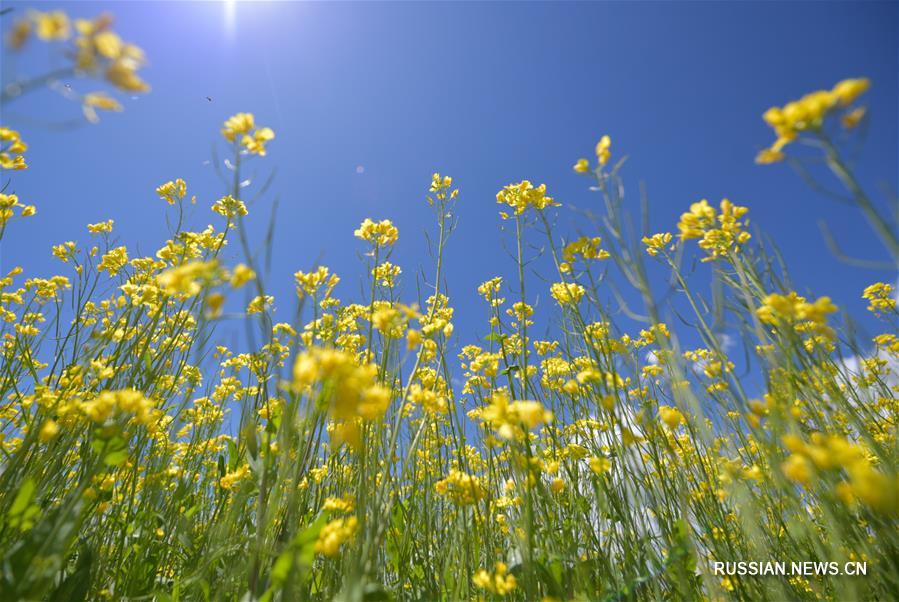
352	390
379	234
880	298
461	488
567	293
512	419
441	188
500	582
8	204
808	114
719	233
793	311
12	148
242	128
172	191
335	534
524	195
603	154
835	454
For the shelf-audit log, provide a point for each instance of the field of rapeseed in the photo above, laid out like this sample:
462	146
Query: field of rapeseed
346	454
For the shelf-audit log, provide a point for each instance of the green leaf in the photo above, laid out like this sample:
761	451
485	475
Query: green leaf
23	497
510	370
305	539
232	456
116	458
75	587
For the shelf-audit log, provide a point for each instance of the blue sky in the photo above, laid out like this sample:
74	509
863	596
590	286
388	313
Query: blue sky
490	93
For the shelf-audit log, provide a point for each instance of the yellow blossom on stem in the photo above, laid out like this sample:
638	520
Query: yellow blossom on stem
241	275
499	582
52	25
334	534
656	243
566	293
380	234
512	419
808	114
524	195
113	261
719	233
11	148
172	191
880	298
229	207
603	150
672	417
461	488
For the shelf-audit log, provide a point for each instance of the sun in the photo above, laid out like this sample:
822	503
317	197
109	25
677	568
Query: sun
230	13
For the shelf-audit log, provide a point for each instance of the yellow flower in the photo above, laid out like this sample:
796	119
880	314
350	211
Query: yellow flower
52	25
48	431
98	100
582	166
880	298
232	480
848	90
656	243
256	143
766	156
11	148
339	504
309	283
214	304
508	418
672	417
19	34
240	123
380	234
259	303
335	534
460	488
109	404
113	261
523	195
352	389
853	117
718	233
808	114
172	191
603	150
793	311
108	44
229	207
188	279
600	465
566	293
798	469
100	227
586	247
499	582
9	202
386	274
241	275
122	73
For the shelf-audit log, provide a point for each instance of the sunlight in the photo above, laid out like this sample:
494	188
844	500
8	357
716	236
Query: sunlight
230	17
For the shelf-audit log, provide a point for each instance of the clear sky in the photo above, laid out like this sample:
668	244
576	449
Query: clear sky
489	93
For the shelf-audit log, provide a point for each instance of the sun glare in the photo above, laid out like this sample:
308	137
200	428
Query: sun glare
230	13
